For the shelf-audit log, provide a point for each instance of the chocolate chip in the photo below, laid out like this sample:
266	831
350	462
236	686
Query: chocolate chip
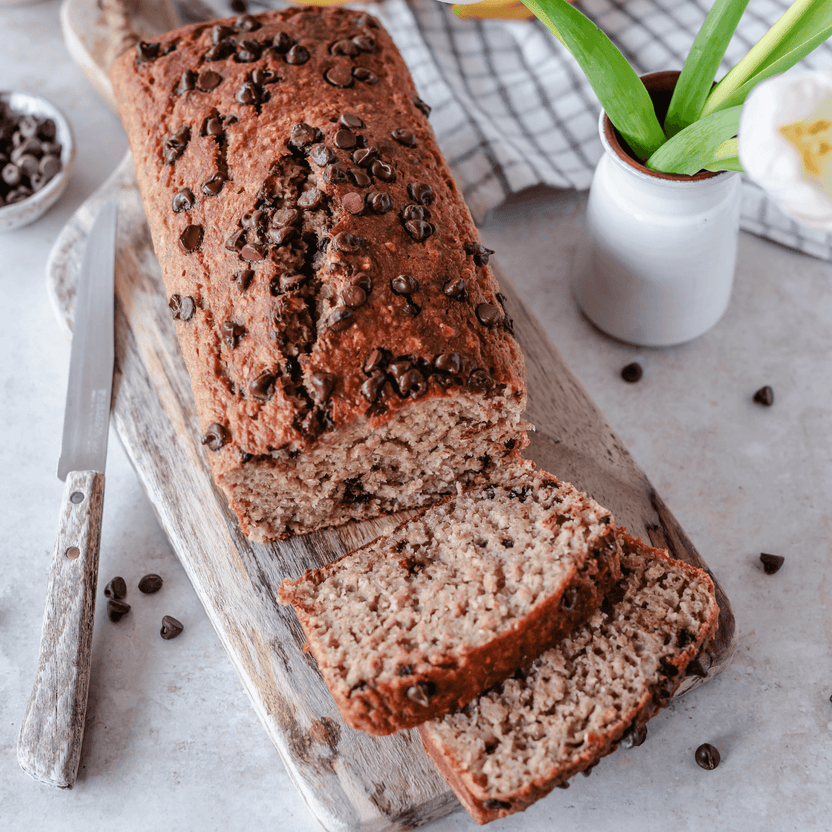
480	381
336	175
376	360
361	178
353	202
322	386
480	253
494	805
764	396
116	609
346	242
344	139
381	170
419	694
281	236
322	155
363	280
213	185
420	105
262	75
220	33
191	238
175	145
632	373
183	309
365	156
282	43
448	362
186	82
420	192
311	199
247	23
411	308
339	76
117	588
262	387
303	135
150	584
364	75
253	252
208	80
488	314
285	216
707	756
248	52
403	136
147	51
341	319
247	94
237	240
243	279
171	628
404	284
379	203
455	288
216	436
700	666
287	283
365	43
351	121
232	332
771	563
634	736
254	218
420	230
354	297
220	51
212	127
344	47
371	388
413	383
401	366
297	55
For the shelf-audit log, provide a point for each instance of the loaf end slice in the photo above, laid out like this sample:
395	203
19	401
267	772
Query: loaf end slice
578	701
423	619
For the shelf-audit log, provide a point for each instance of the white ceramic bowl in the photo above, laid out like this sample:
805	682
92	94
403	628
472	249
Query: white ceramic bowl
28	210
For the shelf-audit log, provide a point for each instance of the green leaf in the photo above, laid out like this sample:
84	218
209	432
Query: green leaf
726	157
784	62
695	146
619	89
801	24
702	63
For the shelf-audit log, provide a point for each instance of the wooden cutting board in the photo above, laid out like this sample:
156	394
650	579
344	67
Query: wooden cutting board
350	780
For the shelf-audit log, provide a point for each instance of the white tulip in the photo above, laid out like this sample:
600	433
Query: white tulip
785	144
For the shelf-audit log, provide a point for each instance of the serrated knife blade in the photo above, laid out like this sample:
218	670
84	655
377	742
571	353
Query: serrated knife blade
49	744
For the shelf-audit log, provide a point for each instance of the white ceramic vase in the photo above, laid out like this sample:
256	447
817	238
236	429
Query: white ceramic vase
656	264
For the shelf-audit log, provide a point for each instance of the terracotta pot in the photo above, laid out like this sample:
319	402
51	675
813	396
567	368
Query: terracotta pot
657	261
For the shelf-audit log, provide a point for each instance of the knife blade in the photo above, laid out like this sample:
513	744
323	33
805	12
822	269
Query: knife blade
49	744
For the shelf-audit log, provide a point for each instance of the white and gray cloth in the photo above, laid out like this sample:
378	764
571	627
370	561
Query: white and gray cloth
512	109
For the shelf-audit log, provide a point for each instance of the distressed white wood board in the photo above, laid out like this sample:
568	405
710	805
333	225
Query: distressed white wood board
350	780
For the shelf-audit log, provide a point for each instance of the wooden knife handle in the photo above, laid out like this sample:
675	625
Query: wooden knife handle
49	745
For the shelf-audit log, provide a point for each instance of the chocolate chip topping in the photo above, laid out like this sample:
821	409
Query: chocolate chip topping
247	94
381	170
220	33
346	242
488	314
420	193
365	156
248	52
285	216
232	332
247	23
237	240
183	309
339	76
372	387
414	212
353	202
220	51
175	145
253	219
632	372
336	175
494	805
186	82
479	252
116	588
262	75
707	756
208	80
322	386
149	51
354	297
171	627
351	121
117	609
363	280
341	319
455	288
365	43
480	381
150	584
403	136
420	105
361	178
771	563
420	230
413	384
262	387
344	139
448	362
191	238
764	396
404	284
183	200
376	360
364	75
303	135
344	47
297	55
281	236
215	436
243	279
322	155
311	199
282	43
253	252
212	127
213	185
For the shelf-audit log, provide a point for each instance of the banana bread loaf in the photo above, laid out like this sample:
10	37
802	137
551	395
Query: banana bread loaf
347	344
578	701
421	620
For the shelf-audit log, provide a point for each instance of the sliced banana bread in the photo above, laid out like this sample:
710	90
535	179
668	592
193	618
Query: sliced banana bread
579	700
426	617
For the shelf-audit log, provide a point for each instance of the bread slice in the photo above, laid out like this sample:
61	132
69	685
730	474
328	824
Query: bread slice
426	617
581	699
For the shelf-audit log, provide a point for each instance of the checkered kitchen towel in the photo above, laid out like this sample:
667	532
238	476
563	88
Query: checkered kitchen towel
512	109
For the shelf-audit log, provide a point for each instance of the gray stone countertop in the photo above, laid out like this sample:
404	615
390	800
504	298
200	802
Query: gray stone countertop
171	741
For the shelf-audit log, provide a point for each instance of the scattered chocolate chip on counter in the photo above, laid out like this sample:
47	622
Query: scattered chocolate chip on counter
632	373
707	757
116	609
771	563
171	628
117	588
150	584
764	396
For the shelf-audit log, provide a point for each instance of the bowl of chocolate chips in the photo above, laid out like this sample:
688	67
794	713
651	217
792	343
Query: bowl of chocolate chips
37	155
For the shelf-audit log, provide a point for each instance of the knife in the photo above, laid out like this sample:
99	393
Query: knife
49	745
